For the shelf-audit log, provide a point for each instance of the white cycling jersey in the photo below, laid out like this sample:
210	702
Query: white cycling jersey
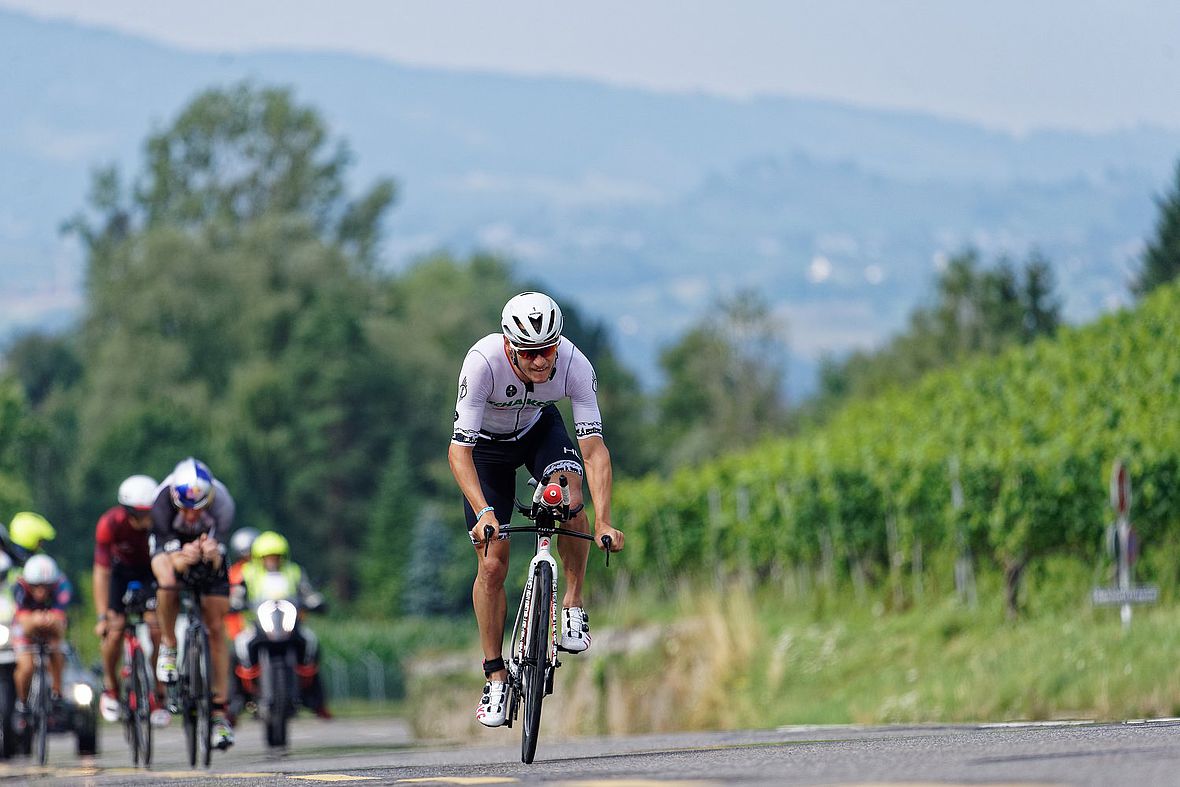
494	404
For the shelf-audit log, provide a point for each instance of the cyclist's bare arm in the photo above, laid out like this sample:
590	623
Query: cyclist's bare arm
102	588
463	468
599	477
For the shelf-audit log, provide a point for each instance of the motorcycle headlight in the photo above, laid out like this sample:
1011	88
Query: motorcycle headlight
275	616
5	635
83	694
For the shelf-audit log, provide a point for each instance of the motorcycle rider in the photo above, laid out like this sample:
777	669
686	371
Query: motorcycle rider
270	574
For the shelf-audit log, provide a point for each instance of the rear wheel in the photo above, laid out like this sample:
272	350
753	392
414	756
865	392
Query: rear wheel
536	658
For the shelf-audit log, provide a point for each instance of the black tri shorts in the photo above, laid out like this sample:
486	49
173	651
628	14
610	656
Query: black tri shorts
210	581
121	577
544	449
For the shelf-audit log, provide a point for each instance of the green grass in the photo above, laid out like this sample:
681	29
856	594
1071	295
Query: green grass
745	654
732	655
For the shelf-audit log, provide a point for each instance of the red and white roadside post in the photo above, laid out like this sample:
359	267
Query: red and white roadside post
1120	501
1126	547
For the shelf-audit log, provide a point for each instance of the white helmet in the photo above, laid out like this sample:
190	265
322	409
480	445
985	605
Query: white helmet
5	565
138	492
531	321
41	570
241	541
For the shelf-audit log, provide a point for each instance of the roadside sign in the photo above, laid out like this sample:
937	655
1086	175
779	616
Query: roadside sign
1112	597
1126	549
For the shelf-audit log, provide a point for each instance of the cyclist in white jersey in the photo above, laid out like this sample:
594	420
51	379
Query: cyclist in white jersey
505	418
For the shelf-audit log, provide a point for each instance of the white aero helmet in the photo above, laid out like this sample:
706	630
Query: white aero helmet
531	321
41	570
138	492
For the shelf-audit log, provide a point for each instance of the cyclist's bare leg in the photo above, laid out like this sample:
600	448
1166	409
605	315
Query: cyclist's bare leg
214	609
23	675
111	645
574	551
490	601
167	599
154	632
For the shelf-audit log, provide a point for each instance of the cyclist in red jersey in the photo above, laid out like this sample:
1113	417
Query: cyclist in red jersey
122	555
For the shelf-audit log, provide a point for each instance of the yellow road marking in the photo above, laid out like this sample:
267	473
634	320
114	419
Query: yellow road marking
635	783
334	777
207	775
461	780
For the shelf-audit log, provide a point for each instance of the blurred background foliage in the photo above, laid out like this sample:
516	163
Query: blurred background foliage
236	311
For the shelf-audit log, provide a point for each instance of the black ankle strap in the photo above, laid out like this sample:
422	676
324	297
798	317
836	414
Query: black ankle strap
494	665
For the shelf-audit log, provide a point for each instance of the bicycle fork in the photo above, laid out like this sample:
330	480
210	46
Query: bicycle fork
520	628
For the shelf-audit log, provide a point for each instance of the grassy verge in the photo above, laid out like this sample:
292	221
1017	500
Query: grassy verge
737	656
733	654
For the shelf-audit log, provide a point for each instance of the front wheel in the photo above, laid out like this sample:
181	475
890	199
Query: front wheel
536	658
203	697
139	708
8	742
40	694
277	701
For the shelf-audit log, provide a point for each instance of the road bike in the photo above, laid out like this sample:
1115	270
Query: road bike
191	696
536	630
135	693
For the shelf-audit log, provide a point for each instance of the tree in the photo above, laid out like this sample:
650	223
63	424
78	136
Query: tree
229	294
975	310
1161	258
723	381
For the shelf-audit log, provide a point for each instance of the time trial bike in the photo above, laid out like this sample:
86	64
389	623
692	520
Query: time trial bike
191	696
536	630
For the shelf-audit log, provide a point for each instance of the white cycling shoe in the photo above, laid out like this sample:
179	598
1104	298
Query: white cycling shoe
575	630
166	665
492	710
110	707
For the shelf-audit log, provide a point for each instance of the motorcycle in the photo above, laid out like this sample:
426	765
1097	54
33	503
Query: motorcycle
279	694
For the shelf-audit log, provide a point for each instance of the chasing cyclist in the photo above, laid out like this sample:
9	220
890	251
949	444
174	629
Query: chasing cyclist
191	519
505	418
41	595
122	556
239	543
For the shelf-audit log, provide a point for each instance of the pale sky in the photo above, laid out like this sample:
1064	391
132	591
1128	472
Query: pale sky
1009	64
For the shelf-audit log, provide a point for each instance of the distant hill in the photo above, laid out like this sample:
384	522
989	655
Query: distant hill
640	204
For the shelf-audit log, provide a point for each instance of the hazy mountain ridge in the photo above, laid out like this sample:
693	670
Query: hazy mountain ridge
644	200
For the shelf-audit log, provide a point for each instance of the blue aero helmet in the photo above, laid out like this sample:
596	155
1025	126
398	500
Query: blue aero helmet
192	484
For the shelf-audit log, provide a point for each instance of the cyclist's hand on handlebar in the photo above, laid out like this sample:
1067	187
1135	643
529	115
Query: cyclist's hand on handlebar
208	547
100	628
184	559
488	520
616	538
